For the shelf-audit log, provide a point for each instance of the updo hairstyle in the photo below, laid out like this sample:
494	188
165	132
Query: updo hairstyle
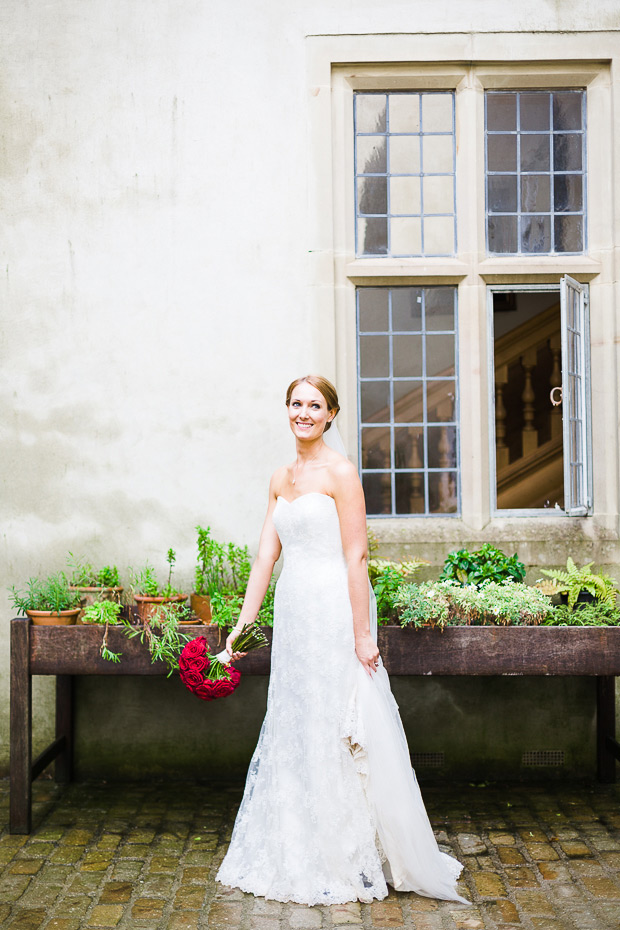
326	388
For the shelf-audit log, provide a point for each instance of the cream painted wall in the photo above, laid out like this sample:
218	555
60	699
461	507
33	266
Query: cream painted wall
155	287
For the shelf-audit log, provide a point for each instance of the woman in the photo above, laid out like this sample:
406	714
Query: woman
331	809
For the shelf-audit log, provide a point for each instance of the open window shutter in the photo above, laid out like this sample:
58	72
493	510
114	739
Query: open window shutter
576	396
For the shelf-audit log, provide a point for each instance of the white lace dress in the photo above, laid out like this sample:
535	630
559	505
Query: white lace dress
331	808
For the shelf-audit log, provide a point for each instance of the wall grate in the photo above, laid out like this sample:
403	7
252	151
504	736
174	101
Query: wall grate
427	760
540	757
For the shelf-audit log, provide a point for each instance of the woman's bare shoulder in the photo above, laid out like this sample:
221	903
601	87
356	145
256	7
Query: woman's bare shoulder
278	479
342	471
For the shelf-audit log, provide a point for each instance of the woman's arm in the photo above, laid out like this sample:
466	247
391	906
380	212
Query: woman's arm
349	498
269	549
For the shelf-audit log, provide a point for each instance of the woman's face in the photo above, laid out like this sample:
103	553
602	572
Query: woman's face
307	412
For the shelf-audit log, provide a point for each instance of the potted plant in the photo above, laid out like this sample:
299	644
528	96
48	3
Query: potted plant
387	577
94	584
582	585
48	601
485	564
147	592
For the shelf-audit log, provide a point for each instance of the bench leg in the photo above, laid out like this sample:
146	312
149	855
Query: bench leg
63	768
605	728
20	814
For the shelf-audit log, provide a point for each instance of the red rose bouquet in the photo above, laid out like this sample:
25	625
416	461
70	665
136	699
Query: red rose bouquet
210	677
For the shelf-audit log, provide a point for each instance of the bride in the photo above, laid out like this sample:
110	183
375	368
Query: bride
331	809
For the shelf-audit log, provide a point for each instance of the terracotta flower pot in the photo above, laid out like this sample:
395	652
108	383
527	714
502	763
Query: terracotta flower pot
147	605
201	608
91	594
54	618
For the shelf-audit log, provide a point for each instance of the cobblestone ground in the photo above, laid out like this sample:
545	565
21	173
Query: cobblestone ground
104	856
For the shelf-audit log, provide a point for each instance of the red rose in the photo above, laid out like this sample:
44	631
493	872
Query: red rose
195	647
191	679
205	691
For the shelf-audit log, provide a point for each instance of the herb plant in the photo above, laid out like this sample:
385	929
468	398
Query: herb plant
443	602
485	564
107	613
162	635
144	580
84	575
52	593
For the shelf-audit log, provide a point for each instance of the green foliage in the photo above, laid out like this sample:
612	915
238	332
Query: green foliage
52	593
387	577
485	564
225	608
84	575
222	568
574	579
144	582
106	613
443	602
596	614
168	590
162	635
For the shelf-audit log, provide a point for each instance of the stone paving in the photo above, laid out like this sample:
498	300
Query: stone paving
145	856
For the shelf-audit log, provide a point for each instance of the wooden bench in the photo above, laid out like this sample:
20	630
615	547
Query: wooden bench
68	651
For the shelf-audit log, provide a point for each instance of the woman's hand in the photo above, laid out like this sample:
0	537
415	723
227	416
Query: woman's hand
367	652
232	636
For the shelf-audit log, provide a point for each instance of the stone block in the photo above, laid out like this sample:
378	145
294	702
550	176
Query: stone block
77	837
471	844
25	867
225	914
533	902
195	873
116	893
552	871
183	920
502	912
520	877
259	922
63	923
508	855
304	918
72	906
190	897
105	915
386	914
574	849
148	909
488	884
28	919
602	887
541	852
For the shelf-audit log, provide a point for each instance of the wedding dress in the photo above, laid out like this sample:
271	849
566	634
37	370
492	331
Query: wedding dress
331	809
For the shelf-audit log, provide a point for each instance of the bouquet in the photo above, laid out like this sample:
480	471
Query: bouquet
210	677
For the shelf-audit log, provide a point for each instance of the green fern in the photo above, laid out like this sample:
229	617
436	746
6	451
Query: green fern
573	580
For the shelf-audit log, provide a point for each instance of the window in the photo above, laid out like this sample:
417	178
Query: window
407	351
541	398
535	160
404	166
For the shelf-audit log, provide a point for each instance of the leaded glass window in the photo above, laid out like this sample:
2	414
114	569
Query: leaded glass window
536	171
404	174
408	400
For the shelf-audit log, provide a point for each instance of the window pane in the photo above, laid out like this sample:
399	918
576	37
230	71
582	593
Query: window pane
439	308
502	190
405	195
440	401
409	447
502	153
375	401
438	235
535	152
534	111
407	356
409	490
567	193
417	409
535	194
376	447
567	110
442	492
501	111
408	401
406	309
373	309
536	234
404	154
439	356
437	112
372	195
437	154
378	493
372	236
441	447
502	233
374	356
569	233
370	112
404	113
567	152
371	155
438	194
405	236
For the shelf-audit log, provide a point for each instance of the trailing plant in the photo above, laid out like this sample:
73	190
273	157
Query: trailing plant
106	613
485	564
162	635
593	614
573	580
84	575
52	593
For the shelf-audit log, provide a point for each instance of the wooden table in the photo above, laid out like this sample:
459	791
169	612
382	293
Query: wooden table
468	650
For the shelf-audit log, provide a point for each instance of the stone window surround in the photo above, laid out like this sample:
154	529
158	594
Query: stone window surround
536	61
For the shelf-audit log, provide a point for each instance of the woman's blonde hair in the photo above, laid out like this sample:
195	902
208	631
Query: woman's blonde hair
326	388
